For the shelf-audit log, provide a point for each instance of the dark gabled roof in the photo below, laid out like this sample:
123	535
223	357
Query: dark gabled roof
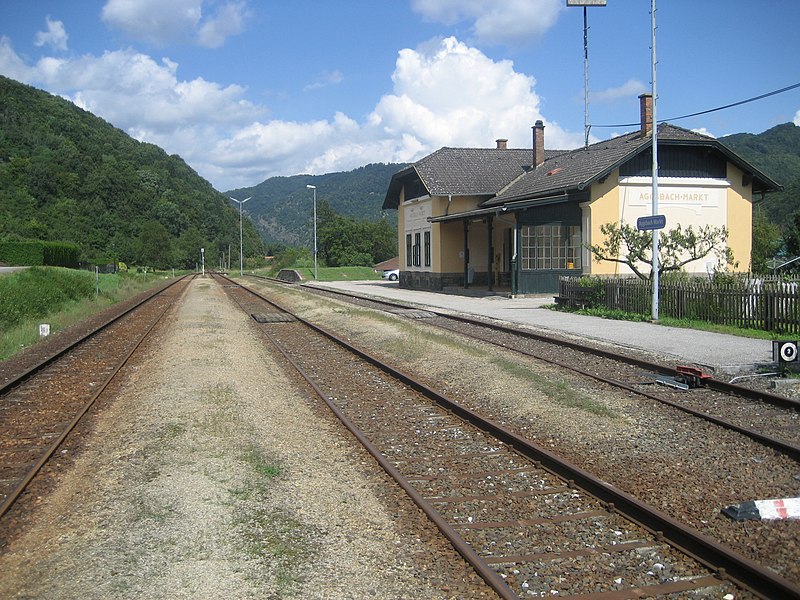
505	176
576	170
463	172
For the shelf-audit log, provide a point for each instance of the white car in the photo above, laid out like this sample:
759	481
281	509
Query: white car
391	274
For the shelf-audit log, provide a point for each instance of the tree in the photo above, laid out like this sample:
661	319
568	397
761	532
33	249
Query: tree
767	242
155	246
344	241
627	245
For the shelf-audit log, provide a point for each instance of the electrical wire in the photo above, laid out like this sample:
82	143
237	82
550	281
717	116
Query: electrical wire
710	110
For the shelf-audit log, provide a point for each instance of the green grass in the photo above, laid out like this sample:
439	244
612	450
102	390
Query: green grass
560	392
253	457
58	297
728	329
619	315
331	273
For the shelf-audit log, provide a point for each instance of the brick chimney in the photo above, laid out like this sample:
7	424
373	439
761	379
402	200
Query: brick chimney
538	143
502	144
646	112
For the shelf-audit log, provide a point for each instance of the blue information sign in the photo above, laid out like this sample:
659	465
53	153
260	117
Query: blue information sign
651	222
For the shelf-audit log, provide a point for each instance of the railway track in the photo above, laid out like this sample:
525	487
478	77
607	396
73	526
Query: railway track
44	402
767	418
530	523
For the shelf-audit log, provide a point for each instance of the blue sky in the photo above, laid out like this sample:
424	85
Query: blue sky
247	89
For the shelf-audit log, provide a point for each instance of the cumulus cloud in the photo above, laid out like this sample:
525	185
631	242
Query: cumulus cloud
498	22
55	36
632	87
443	93
453	94
162	23
797	118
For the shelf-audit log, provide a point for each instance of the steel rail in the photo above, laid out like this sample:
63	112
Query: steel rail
722	386
14	495
19	378
717	557
791	449
487	573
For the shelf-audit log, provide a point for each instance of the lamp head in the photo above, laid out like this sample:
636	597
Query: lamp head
311	187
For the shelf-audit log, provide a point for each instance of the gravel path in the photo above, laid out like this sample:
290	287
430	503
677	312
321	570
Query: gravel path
208	478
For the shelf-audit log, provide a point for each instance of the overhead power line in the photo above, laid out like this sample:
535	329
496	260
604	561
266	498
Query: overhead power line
710	110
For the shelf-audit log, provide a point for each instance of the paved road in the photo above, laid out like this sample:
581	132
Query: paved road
714	352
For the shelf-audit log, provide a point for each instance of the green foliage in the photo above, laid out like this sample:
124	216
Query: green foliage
628	245
68	175
290	258
347	241
777	153
155	246
767	241
54	254
594	290
34	292
282	207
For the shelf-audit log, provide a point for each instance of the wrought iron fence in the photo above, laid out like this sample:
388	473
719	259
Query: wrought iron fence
767	303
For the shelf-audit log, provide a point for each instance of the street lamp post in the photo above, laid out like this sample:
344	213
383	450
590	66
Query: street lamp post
313	187
241	252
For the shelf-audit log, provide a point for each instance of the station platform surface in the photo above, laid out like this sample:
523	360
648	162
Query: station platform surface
715	352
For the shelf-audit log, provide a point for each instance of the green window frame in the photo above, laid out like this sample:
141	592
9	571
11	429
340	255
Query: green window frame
550	246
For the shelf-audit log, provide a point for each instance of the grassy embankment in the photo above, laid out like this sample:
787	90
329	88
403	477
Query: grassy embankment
325	273
58	297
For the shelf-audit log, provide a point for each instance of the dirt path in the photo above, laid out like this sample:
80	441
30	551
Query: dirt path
202	481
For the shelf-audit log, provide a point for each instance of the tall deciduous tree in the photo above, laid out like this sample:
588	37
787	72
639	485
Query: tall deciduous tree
155	246
627	245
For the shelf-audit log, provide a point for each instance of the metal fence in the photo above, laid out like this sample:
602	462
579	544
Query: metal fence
766	303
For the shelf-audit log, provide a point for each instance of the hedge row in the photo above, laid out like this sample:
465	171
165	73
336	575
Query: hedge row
53	254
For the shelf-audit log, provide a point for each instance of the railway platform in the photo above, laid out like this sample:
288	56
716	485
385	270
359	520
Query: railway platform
720	354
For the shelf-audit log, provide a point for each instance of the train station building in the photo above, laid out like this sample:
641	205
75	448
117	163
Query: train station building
519	219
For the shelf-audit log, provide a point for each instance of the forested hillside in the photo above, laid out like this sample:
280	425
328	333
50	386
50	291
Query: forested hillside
777	153
67	175
282	207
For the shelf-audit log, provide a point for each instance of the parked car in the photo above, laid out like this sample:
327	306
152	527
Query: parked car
391	274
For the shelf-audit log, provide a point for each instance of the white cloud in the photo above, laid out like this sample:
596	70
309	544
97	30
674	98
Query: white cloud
452	94
632	87
497	22
55	36
229	20
11	65
704	131
161	23
797	118
444	93
327	78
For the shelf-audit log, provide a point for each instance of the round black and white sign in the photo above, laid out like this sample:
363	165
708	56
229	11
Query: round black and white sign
788	351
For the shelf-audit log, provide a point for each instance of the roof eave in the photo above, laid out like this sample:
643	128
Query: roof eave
392	199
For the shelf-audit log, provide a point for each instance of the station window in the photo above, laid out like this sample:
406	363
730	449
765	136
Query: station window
416	250
552	246
409	251
427	251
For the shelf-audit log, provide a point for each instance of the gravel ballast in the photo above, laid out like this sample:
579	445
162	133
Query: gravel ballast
208	477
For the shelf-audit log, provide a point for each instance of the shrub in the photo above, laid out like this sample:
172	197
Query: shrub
37	291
